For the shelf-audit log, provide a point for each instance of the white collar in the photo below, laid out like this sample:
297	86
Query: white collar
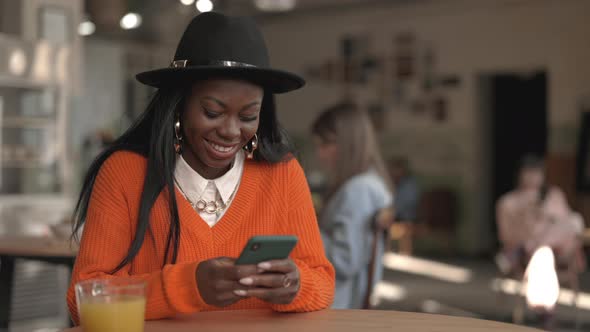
193	184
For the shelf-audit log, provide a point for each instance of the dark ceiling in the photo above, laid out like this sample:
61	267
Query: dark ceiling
165	19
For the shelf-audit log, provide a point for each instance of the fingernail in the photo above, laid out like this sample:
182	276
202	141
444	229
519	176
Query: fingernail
240	292
246	281
265	265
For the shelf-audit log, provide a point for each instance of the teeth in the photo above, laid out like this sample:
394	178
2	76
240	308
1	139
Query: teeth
220	148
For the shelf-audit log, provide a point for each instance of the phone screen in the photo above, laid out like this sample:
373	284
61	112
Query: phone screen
265	248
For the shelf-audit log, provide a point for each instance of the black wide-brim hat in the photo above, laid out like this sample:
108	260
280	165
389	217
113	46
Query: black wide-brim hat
215	45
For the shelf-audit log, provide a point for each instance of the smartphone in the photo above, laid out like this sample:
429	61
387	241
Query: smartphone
265	248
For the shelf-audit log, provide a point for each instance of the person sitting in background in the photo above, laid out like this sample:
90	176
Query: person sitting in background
358	188
173	201
535	215
407	192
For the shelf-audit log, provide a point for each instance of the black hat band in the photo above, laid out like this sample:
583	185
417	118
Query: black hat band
215	63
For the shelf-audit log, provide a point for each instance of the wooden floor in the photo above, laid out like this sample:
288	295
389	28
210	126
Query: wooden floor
474	298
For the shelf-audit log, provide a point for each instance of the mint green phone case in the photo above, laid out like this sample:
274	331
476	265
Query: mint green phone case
265	248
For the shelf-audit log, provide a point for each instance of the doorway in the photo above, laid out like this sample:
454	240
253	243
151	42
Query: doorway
517	125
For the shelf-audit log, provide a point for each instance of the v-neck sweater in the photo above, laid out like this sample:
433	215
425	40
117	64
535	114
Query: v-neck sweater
273	199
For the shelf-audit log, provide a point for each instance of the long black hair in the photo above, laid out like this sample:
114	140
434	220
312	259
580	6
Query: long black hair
152	135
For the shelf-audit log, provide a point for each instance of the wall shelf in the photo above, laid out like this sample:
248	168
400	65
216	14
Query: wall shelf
24	122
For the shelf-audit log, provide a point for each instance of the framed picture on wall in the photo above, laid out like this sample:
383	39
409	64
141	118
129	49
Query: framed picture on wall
583	164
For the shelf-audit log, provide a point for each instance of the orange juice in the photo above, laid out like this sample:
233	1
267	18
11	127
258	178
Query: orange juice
113	313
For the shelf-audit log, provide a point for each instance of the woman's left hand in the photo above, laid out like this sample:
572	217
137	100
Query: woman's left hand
277	282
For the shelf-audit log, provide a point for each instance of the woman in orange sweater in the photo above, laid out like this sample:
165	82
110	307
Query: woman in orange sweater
175	199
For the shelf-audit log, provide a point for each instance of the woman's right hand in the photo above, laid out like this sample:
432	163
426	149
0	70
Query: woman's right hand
218	279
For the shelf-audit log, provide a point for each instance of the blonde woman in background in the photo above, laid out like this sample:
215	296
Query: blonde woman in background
359	187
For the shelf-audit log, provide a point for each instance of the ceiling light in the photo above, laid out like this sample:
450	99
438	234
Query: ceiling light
187	2
86	28
17	62
275	5
204	6
130	21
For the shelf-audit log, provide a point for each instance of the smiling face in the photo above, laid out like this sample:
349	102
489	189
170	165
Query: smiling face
220	117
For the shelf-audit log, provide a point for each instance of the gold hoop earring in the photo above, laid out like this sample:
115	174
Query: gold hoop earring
178	136
251	147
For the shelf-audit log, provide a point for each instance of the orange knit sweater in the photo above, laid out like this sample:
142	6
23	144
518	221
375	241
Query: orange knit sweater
271	200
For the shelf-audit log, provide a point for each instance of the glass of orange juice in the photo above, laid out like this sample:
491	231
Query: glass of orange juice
116	305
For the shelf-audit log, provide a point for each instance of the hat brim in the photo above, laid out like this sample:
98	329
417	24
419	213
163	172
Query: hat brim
273	80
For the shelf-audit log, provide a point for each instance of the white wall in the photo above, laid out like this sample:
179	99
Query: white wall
470	38
101	101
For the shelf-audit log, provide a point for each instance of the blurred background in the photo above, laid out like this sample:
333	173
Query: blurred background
460	89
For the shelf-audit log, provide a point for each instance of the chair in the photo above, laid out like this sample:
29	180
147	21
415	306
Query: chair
403	232
380	224
586	238
569	273
436	213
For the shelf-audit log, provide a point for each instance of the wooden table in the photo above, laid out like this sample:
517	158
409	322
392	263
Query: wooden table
323	321
48	250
